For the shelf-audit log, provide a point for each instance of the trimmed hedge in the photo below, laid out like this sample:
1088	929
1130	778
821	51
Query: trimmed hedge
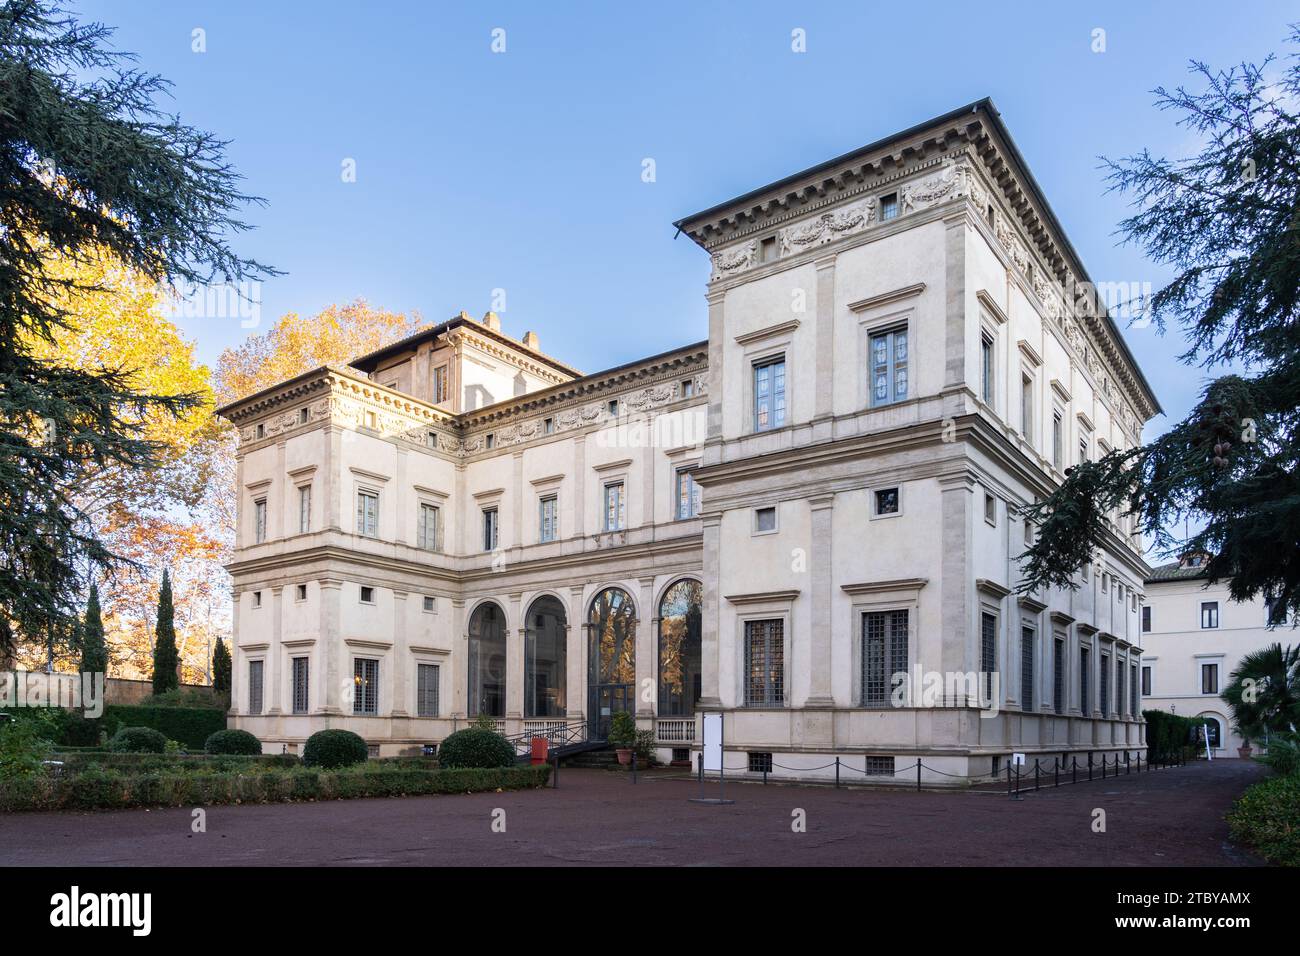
1267	818
233	742
189	726
75	761
1169	736
138	740
476	748
111	790
334	748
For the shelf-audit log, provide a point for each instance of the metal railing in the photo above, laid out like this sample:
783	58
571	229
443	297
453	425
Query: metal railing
558	734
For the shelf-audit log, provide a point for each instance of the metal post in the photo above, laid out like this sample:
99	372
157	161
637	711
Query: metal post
1128	765
837	773
1074	768
1090	766
1008	778
918	774
765	775
1056	771
1035	774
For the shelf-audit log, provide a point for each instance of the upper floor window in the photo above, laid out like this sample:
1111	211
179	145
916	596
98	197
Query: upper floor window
888	207
1209	614
548	518
439	384
259	520
1146	618
368	514
886	501
548	426
1083	447
1027	407
426	532
490	529
986	369
767	249
889	366
688	388
304	509
769	394
688	495
1058	439
615	507
1209	678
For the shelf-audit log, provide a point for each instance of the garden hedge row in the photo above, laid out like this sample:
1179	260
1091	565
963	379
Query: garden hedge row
1267	818
189	726
1169	735
77	760
111	790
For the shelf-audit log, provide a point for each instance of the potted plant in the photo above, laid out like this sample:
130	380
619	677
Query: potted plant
622	736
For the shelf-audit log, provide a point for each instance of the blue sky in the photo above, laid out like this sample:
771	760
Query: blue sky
521	170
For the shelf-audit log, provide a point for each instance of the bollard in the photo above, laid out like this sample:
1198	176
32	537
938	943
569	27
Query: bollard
1056	771
837	773
1090	766
918	774
1035	774
1074	768
1128	766
1009	778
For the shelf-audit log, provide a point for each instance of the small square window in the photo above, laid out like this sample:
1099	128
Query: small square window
304	416
887	501
764	520
990	509
430	604
767	249
880	766
760	762
257	599
613	407
490	441
888	207
548	426
688	388
367	594
431	440
302	592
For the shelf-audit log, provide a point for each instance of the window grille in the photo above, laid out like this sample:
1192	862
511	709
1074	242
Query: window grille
300	686
426	690
765	663
880	766
365	675
1058	677
1027	636
760	762
884	654
254	687
988	652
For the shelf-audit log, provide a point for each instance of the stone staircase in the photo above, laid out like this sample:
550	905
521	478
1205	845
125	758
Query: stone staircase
604	759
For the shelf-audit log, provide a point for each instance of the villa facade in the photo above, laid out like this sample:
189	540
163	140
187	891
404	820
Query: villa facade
777	522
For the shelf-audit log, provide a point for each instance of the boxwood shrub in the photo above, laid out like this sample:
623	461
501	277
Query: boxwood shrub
138	740
334	748
475	748
233	742
1267	818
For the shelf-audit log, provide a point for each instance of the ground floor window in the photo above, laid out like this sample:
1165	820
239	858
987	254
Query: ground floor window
300	675
680	652
760	762
426	690
365	686
1058	677
988	651
255	687
487	661
765	663
884	654
1103	686
1084	707
1027	668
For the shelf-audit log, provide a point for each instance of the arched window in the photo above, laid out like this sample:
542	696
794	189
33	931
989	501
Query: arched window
545	643
487	661
679	648
613	638
1213	729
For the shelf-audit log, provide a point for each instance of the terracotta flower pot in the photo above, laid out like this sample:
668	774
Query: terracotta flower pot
624	756
1244	751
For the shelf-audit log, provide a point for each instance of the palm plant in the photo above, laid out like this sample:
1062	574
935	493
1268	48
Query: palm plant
1264	692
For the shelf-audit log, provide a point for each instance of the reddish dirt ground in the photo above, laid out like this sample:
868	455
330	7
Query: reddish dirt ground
1170	817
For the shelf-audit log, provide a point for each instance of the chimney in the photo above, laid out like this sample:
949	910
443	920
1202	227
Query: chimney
492	321
531	341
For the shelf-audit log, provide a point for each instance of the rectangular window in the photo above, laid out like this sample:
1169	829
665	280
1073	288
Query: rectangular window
879	766
1209	678
367	594
257	599
1103	686
254	687
990	509
884	654
767	249
368	514
765	663
1027	635
769	394
1027	408
301	593
688	495
1058	439
548	426
612	408
764	520
1146	618
304	416
887	501
426	690
1085	706
490	441
548	516
304	509
615	507
760	761
986	369
365	686
1209	614
889	207
430	604
988	652
426	530
888	366
259	520
439	384
1146	681
1120	696
300	674
688	388
1058	676
1083	448
490	529
1133	690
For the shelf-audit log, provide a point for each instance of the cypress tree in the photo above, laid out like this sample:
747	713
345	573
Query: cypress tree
94	653
165	656
221	665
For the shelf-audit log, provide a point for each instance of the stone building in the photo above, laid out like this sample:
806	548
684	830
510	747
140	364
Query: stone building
778	522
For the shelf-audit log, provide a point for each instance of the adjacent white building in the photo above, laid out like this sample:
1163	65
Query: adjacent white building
807	521
1194	636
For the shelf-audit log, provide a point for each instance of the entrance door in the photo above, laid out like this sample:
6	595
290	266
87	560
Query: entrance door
606	701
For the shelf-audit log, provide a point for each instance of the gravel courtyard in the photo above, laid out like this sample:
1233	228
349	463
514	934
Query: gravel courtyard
1168	818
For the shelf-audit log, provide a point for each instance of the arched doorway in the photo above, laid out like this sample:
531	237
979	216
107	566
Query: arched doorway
487	661
611	627
679	648
1212	727
545	648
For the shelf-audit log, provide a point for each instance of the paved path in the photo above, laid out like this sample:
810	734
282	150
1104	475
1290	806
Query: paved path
1167	818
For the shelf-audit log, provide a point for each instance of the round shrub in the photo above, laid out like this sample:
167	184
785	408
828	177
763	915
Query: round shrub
140	740
475	748
233	742
334	748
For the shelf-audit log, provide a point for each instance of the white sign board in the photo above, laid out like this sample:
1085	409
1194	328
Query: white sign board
1018	759
713	742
